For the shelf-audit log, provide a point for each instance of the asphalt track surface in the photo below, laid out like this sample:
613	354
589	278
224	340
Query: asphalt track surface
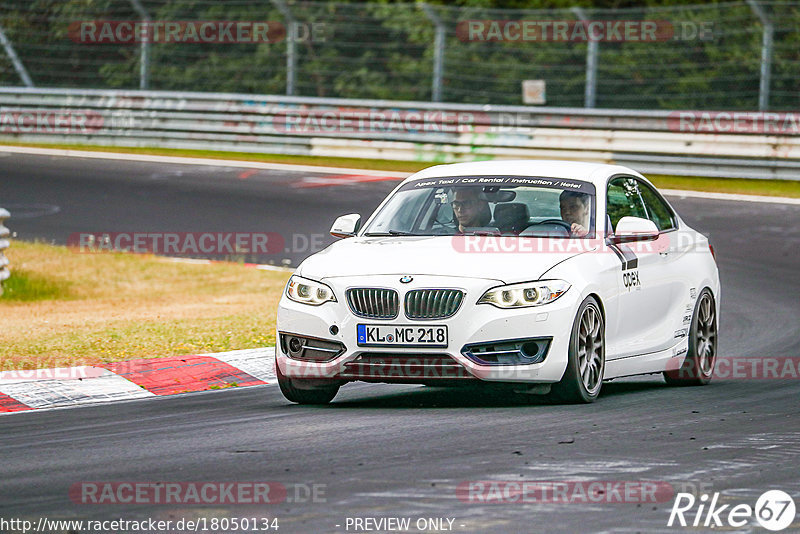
394	450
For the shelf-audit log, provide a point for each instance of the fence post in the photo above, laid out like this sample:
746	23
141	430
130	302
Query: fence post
766	54
438	51
12	54
291	62
144	47
592	51
4	233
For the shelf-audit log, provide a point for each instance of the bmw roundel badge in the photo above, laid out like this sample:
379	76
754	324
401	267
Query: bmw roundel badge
406	279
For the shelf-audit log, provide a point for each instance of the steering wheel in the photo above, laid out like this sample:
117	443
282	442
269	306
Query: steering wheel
567	227
565	224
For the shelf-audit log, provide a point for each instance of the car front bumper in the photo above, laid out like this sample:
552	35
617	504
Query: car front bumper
472	324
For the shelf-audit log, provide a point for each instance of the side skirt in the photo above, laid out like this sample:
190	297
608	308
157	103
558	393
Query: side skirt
654	362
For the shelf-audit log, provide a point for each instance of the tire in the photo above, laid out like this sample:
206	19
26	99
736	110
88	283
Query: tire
698	367
301	395
586	358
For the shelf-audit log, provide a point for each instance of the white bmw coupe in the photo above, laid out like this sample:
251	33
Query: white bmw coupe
549	276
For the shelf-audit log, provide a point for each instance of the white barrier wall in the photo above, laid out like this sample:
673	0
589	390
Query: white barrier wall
729	144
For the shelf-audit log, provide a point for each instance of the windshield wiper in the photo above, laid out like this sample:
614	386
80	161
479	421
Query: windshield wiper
388	233
482	231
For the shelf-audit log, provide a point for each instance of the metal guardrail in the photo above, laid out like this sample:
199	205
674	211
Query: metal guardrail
650	141
4	243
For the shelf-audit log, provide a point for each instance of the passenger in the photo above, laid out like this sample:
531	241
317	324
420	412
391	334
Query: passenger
575	210
470	209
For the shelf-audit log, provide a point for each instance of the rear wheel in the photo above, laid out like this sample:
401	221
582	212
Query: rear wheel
296	391
586	359
698	367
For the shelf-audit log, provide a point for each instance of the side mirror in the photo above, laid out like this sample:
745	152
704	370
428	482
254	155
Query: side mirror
634	229
346	225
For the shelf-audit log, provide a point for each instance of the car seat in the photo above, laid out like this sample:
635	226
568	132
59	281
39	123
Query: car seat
511	217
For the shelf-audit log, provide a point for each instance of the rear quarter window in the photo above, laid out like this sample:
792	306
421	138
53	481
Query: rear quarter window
657	209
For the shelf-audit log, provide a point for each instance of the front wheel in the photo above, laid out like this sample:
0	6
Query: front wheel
698	367
586	359
304	395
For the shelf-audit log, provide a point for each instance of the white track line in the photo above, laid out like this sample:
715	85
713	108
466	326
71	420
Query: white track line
729	196
196	161
326	170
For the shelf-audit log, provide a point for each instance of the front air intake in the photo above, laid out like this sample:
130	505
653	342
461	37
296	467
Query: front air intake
310	349
509	352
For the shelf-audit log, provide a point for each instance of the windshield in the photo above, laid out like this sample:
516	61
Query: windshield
489	205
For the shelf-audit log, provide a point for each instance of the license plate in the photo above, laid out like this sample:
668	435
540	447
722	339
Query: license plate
374	335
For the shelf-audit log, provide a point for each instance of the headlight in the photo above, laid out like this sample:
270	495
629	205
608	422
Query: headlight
525	294
307	291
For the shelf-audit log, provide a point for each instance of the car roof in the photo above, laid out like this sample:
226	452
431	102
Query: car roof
596	173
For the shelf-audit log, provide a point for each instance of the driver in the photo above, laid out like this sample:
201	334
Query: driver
470	209
575	209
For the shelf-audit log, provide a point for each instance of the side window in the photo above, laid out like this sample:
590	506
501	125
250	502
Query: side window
657	209
624	200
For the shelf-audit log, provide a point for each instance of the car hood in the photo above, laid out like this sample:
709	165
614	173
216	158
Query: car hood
434	255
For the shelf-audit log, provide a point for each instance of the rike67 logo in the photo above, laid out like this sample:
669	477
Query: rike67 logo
774	510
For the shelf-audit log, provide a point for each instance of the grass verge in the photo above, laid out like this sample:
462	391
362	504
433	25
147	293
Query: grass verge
61	308
769	188
784	188
321	161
